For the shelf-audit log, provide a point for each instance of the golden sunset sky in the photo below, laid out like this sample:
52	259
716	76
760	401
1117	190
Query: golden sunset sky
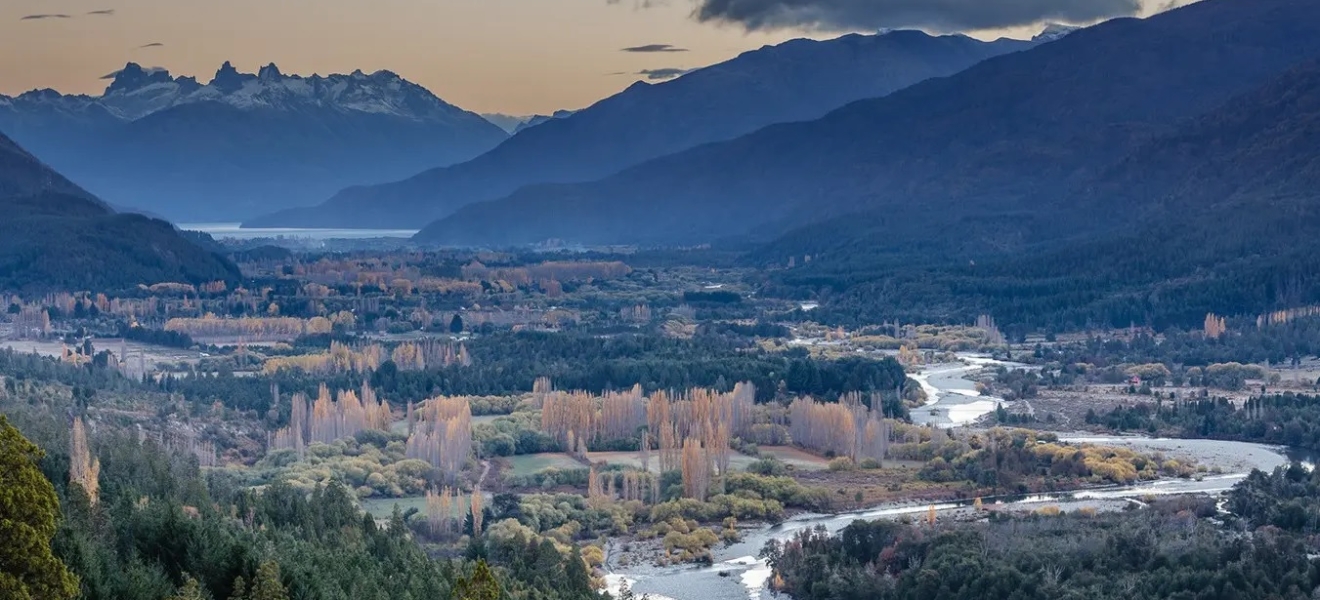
509	56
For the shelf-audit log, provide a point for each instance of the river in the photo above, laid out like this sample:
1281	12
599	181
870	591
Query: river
951	398
738	575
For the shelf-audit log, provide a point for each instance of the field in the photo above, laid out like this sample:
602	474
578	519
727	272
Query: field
152	355
382	508
530	464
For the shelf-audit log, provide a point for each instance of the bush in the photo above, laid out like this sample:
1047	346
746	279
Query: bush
768	466
842	464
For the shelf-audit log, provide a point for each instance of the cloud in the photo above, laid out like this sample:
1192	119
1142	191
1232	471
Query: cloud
662	73
641	3
40	17
936	15
105	12
151	45
655	48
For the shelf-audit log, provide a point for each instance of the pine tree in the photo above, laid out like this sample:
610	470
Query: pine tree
29	510
191	590
481	586
240	589
577	580
267	585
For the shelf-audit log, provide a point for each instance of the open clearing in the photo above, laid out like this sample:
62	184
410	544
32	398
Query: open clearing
531	464
153	356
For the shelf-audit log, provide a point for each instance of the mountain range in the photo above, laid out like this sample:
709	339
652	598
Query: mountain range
796	81
1002	155
243	143
57	236
513	124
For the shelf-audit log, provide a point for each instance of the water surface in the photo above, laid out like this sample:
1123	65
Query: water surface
235	231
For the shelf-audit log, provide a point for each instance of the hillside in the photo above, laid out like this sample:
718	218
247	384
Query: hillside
1222	218
242	143
795	81
1006	139
56	236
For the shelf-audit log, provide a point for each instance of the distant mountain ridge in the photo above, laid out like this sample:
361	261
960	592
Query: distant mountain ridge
794	81
513	124
985	160
56	236
535	120
243	142
1217	215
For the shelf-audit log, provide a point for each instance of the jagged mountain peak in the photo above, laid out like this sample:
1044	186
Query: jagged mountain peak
228	79
137	91
269	72
134	77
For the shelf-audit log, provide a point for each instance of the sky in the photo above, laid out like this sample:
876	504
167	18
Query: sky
517	57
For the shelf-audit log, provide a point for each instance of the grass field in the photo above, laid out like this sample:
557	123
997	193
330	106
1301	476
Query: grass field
628	459
382	508
530	464
796	457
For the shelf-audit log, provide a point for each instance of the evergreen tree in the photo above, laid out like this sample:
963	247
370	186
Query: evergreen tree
481	586
191	590
456	324
267	585
577	581
240	589
29	510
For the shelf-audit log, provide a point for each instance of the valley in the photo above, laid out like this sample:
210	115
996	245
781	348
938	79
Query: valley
878	313
664	425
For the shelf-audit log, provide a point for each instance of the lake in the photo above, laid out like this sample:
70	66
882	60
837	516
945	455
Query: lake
235	231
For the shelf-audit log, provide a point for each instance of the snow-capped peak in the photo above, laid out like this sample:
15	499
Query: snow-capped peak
133	76
1054	31
136	91
269	72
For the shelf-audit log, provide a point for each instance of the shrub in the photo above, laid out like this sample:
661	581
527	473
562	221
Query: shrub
842	464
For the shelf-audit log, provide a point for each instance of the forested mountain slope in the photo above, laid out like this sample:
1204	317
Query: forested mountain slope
1017	135
794	81
56	236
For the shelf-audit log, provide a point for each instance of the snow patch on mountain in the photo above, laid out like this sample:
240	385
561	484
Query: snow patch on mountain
135	92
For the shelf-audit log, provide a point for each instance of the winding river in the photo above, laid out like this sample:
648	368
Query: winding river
738	575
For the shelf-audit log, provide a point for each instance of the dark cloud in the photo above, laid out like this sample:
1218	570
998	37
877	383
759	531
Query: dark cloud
662	74
938	15
40	17
105	12
151	45
655	48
